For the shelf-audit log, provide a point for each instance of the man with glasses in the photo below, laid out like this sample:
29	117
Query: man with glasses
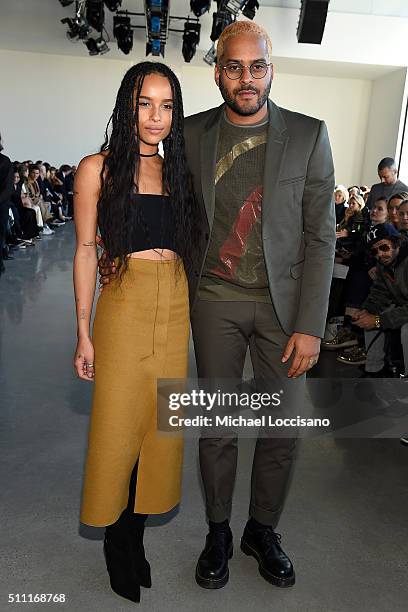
386	307
264	180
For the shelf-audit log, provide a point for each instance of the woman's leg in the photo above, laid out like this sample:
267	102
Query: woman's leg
124	551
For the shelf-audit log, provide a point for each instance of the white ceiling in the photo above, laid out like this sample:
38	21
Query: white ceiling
395	8
35	25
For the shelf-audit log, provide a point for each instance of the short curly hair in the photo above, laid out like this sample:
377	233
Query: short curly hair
242	27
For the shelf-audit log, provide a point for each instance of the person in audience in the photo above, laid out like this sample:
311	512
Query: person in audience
54	196
403	218
379	211
353	218
386	306
393	205
34	193
6	186
26	200
29	227
389	185
67	178
341	196
354	190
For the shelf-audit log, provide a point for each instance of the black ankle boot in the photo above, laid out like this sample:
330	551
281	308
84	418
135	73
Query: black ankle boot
261	541
118	557
140	563
125	557
212	568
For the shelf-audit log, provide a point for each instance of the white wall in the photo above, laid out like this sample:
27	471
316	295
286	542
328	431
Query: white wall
384	122
61	118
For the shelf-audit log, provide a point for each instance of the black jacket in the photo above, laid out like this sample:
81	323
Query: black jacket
6	180
388	295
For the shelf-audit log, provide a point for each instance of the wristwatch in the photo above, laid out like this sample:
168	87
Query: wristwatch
377	323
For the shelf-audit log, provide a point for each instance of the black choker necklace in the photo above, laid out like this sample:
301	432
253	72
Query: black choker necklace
150	154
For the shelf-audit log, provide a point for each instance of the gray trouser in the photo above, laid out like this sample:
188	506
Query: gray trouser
376	355
222	332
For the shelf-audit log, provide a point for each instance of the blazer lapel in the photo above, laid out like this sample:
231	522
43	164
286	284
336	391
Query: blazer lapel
208	155
274	156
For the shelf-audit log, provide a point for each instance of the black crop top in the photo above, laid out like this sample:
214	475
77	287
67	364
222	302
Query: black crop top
156	230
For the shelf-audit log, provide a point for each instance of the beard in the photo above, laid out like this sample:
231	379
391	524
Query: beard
231	99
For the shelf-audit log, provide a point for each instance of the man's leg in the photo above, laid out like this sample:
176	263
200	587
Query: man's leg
220	331
274	456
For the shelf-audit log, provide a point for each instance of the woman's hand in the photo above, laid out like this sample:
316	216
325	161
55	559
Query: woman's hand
342	233
84	359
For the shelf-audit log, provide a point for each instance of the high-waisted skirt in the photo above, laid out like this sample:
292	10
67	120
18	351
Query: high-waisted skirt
140	334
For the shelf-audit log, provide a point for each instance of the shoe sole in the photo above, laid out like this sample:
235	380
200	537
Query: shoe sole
332	347
216	583
283	583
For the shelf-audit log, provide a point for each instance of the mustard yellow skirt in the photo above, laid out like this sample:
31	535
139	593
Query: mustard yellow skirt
140	333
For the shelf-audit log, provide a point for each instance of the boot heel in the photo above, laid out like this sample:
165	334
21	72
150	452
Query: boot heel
145	578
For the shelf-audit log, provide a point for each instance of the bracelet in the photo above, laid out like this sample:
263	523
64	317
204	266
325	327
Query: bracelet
377	323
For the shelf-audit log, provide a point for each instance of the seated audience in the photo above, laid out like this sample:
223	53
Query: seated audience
357	284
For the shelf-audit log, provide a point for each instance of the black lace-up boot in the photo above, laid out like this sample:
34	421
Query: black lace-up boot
261	542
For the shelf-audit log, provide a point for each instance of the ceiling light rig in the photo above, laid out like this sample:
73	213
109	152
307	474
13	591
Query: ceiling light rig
227	12
122	31
90	16
199	7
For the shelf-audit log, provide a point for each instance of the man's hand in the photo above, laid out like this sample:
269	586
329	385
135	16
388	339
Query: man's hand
364	319
307	349
107	268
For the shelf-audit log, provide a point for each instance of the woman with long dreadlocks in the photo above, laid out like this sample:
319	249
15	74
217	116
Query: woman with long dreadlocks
144	207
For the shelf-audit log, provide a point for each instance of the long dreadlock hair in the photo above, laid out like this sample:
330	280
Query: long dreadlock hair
121	167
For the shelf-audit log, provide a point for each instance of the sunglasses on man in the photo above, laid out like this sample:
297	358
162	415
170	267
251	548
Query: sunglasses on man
383	248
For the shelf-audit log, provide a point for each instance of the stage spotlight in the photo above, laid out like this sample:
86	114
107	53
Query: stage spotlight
221	19
191	38
211	56
113	5
95	14
77	28
250	8
123	33
91	46
199	7
97	47
66	2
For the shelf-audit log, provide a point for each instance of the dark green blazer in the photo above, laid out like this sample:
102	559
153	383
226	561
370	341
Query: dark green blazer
298	214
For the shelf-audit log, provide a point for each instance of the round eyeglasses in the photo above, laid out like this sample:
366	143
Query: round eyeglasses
234	70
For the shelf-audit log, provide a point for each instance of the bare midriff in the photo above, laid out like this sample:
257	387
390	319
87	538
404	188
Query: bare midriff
156	255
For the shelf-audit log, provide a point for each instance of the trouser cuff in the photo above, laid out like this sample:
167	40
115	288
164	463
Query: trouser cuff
265	517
